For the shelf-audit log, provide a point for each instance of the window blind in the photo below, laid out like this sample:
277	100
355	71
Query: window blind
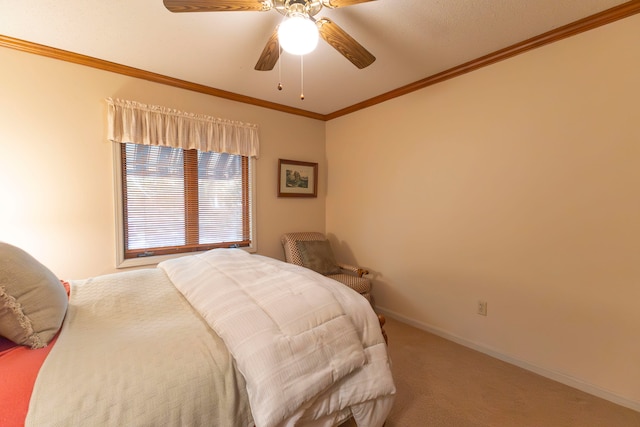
179	200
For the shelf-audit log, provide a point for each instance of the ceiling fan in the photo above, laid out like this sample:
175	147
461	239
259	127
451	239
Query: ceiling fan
328	30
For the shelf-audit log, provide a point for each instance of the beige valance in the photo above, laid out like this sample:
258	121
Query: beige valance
130	121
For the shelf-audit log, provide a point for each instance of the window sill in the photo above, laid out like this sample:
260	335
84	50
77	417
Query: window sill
155	260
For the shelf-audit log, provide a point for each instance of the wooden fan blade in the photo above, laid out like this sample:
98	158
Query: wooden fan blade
270	53
341	3
216	5
344	43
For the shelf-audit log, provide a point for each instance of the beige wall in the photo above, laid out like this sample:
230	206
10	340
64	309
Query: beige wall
517	184
56	166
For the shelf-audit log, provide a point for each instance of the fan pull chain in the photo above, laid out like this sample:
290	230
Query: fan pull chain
301	77
279	67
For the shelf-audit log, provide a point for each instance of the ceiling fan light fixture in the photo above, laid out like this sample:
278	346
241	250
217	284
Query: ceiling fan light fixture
298	35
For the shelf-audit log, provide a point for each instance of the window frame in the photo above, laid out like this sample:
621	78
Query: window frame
122	262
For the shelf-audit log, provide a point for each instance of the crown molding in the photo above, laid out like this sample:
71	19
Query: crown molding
605	17
76	58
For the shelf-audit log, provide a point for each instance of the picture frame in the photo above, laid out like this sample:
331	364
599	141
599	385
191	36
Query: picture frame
297	179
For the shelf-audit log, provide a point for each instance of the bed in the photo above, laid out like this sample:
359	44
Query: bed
222	338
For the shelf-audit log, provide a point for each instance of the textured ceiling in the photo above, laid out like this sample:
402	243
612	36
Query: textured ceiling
411	39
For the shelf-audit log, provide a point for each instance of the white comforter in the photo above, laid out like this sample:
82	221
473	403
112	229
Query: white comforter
309	348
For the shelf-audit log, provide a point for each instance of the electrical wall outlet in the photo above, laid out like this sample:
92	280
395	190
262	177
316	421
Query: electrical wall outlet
482	308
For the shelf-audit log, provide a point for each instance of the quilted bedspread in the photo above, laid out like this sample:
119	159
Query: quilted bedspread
132	352
307	346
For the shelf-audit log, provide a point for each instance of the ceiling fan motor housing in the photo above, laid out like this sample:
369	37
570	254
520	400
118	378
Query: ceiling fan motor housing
306	7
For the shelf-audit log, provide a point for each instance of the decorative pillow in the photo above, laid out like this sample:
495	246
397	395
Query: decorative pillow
33	302
318	256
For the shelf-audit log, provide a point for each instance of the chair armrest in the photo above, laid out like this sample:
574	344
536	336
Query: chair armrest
354	269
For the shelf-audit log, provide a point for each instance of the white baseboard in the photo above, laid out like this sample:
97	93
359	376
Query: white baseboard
553	375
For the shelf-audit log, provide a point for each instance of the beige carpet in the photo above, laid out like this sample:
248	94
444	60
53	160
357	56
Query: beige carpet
441	383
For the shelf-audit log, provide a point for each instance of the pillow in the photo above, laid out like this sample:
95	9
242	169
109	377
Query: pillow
33	302
318	256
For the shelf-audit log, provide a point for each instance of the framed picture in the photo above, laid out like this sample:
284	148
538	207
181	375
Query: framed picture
297	179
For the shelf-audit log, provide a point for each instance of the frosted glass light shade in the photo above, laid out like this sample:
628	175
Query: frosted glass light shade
298	35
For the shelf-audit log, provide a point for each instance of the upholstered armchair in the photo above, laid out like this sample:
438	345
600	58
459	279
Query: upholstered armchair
312	250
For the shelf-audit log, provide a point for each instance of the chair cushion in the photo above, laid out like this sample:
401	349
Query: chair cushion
318	256
288	240
361	285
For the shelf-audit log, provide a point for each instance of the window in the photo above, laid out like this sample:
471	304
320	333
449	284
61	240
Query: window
184	181
175	200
